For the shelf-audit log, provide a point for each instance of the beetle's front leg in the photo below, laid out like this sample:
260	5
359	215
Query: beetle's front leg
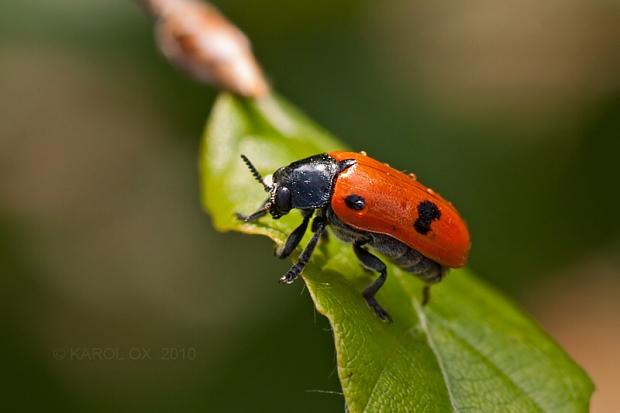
318	225
296	236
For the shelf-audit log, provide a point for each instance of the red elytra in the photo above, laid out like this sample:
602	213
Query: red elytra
392	200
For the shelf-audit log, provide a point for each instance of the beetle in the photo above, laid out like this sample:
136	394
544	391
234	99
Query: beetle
368	204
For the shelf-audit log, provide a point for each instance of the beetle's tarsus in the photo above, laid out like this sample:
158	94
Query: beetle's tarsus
378	310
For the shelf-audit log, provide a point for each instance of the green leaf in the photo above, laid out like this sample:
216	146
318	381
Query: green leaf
470	350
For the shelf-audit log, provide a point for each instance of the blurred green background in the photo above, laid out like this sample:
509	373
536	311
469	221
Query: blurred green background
510	110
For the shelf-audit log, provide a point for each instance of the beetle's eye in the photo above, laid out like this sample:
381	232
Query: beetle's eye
283	200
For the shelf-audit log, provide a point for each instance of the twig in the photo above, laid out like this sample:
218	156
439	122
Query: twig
195	37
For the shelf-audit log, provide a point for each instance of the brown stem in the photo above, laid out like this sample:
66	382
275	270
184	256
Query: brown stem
195	36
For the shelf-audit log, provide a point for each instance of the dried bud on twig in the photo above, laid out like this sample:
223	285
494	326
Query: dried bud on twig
196	37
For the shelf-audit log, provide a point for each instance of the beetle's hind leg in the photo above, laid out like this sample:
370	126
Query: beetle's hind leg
427	270
318	225
433	274
426	294
369	261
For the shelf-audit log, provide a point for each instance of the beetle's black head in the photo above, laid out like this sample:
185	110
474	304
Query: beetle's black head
280	197
305	184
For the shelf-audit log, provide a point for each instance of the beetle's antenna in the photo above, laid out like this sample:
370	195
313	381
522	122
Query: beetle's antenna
255	173
257	214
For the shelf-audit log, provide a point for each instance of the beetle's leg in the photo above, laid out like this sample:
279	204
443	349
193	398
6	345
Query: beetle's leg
318	225
426	294
432	275
261	212
294	239
370	261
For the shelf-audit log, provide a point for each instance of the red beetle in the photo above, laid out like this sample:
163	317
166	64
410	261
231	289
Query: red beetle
367	203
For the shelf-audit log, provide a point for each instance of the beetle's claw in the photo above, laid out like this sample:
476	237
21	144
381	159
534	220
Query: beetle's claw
379	311
384	316
292	274
288	278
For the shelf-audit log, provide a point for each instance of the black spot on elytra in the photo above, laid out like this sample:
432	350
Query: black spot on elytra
355	202
427	213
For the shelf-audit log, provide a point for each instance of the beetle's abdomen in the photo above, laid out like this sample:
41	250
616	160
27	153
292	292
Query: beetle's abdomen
408	259
398	253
